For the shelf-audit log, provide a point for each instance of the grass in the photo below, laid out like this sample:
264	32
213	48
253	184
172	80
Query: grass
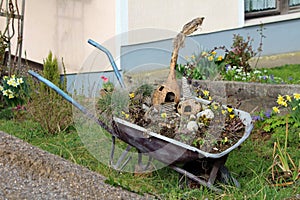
289	73
249	164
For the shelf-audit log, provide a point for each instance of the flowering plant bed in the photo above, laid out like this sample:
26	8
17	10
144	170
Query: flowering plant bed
206	125
197	120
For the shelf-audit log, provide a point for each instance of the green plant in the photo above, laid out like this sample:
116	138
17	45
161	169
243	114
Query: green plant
201	66
283	168
13	90
46	106
292	103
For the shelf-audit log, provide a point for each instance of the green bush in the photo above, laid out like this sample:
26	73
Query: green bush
46	106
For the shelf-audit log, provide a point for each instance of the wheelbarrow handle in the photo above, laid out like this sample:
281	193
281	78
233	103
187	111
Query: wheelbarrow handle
111	60
71	100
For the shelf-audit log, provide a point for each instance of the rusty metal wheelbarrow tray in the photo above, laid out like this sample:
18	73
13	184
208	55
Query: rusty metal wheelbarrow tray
169	150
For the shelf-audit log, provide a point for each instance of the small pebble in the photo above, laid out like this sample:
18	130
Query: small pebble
192	126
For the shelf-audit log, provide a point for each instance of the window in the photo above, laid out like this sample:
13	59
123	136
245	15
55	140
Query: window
260	8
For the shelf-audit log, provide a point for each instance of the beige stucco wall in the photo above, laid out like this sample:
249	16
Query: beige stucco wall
173	14
64	26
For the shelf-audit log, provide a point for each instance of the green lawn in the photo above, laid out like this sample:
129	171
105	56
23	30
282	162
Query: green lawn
289	73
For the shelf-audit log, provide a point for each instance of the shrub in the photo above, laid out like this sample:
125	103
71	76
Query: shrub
46	106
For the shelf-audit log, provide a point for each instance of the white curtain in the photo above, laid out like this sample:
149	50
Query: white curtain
294	2
257	5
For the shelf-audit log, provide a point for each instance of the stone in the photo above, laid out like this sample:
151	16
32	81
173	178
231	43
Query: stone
192	126
207	113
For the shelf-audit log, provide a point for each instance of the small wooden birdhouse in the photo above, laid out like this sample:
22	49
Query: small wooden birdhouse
165	94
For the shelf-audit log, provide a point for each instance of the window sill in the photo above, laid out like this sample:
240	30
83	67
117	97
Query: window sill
271	19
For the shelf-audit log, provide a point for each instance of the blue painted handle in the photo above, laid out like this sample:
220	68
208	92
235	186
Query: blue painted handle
70	100
111	60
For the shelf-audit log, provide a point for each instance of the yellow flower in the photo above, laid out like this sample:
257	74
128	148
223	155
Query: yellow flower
209	98
216	106
280	99
210	58
230	109
13	76
11	96
10	81
231	116
276	109
5	93
294	108
20	80
225	139
223	112
204	53
5	77
1	88
125	114
213	53
163	115
296	96
193	57
220	58
131	95
205	92
284	103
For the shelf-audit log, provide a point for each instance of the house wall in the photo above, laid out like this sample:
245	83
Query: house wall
171	15
64	26
280	37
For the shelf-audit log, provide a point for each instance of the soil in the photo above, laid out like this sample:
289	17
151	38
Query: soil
212	135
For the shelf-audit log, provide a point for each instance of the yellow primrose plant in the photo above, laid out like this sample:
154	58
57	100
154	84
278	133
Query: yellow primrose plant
12	90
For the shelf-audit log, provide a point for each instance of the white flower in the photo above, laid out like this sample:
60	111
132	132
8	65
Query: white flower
5	92
257	72
12	82
1	88
207	113
20	81
238	70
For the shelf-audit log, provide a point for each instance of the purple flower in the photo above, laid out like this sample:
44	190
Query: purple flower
256	118
227	67
268	114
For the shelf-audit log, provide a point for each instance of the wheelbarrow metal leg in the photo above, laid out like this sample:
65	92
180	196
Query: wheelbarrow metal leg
216	166
195	178
121	158
140	163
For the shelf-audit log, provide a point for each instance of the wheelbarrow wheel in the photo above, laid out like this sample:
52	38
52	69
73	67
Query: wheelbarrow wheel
225	177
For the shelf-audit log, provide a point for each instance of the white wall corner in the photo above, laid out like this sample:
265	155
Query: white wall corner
241	13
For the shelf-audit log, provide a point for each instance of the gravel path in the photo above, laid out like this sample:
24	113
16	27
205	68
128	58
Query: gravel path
27	172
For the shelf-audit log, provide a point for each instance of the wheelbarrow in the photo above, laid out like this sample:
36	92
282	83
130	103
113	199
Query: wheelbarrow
187	160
